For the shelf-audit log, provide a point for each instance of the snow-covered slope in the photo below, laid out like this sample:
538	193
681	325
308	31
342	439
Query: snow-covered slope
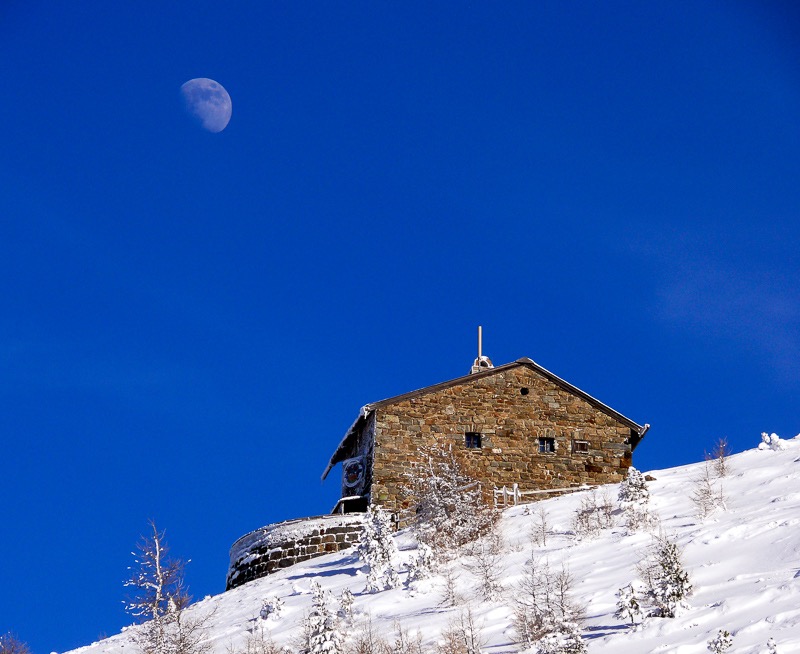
744	563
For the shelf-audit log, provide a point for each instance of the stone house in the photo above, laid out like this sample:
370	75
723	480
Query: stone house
516	423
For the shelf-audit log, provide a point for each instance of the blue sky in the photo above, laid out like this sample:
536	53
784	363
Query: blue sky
190	321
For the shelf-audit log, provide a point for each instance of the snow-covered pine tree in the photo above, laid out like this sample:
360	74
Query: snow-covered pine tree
346	600
634	499
450	510
271	608
564	639
422	565
633	489
321	633
628	608
720	643
378	551
667	581
772	647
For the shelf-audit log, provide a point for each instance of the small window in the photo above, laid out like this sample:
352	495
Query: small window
580	447
524	390
472	440
547	445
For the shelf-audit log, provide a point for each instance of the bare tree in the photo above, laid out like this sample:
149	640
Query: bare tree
719	456
159	599
450	593
706	496
404	642
463	636
485	563
540	527
543	602
450	508
366	640
257	641
156	579
11	644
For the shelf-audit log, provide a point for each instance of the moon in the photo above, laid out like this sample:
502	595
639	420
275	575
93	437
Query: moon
208	103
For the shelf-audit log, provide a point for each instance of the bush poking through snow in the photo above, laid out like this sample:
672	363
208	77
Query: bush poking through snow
450	510
257	641
378	551
771	442
366	640
666	581
772	648
593	515
720	643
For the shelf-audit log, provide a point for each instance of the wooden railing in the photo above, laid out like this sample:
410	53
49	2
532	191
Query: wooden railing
514	496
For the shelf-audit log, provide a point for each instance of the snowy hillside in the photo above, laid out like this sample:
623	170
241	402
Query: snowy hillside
744	564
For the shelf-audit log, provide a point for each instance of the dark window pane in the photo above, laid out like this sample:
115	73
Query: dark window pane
472	439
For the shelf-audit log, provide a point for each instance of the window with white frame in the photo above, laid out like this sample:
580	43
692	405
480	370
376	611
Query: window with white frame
580	447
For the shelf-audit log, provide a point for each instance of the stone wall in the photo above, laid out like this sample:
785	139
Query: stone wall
511	410
281	545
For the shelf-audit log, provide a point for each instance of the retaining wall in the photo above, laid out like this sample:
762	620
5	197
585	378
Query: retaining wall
283	544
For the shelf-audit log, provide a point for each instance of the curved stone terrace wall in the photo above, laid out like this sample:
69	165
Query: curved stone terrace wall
283	544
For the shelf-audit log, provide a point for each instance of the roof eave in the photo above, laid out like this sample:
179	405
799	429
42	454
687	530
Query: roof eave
338	454
345	442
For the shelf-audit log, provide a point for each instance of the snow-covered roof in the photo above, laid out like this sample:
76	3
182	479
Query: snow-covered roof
344	446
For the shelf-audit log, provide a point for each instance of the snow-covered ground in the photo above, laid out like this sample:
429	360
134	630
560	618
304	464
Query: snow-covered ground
744	563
